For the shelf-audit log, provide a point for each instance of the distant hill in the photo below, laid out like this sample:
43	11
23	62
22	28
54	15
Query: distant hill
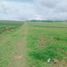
46	21
20	21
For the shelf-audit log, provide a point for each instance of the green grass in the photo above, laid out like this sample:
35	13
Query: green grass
44	41
47	40
8	38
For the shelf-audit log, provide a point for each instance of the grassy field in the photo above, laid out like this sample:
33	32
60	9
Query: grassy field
33	44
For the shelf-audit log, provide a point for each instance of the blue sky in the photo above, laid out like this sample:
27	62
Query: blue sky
33	9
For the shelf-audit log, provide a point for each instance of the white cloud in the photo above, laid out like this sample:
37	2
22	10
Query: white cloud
16	10
52	9
33	9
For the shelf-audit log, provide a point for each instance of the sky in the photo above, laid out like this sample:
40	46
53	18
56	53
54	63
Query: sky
33	9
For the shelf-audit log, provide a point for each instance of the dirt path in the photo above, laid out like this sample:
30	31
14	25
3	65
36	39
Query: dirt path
19	58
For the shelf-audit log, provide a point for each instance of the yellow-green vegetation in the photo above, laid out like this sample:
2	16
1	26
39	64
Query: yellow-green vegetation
47	41
9	36
33	44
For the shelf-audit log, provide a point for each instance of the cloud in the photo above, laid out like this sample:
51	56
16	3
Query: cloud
33	9
52	9
16	10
